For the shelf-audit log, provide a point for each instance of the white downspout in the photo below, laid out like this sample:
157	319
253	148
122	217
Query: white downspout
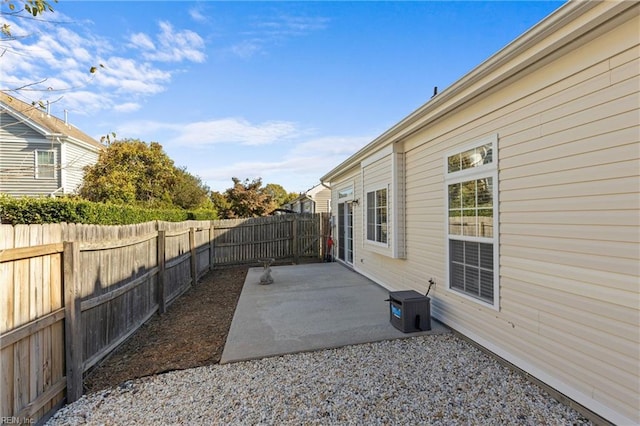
53	194
63	162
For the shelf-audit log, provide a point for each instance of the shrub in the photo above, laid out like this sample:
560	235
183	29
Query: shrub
28	210
203	214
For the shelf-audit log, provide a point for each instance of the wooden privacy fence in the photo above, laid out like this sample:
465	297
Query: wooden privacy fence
70	294
285	237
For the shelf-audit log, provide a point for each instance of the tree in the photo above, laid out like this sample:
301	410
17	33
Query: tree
244	199
278	194
189	192
132	171
221	204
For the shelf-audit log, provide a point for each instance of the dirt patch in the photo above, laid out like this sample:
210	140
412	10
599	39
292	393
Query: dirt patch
192	333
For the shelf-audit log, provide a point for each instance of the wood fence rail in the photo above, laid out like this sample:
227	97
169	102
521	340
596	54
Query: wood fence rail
71	294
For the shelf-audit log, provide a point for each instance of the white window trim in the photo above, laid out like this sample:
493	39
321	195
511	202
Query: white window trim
36	166
366	219
485	170
350	197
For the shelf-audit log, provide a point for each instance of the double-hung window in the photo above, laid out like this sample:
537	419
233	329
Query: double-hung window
377	216
471	180
45	164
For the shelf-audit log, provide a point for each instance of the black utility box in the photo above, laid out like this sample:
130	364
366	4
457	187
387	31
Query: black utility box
409	311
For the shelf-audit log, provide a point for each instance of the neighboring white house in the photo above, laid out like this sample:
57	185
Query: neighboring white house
517	190
40	154
314	200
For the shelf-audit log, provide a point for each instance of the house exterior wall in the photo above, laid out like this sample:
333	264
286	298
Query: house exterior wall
322	200
315	200
74	159
376	175
306	206
569	217
17	160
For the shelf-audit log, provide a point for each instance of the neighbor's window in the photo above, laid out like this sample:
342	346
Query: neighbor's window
377	216
471	179
45	164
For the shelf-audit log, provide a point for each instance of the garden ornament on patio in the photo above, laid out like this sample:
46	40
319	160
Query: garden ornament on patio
266	278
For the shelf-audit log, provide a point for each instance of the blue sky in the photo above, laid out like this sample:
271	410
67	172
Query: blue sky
284	91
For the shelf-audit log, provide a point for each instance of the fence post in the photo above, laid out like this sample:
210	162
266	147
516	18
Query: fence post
72	324
211	256
194	258
162	302
294	243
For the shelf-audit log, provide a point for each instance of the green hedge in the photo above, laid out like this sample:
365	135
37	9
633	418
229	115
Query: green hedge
28	210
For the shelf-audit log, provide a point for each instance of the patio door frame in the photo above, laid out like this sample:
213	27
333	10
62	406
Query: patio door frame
345	232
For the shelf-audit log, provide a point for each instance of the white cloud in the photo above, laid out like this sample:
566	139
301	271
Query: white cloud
82	102
197	15
235	131
331	146
62	52
298	169
266	31
289	25
246	49
127	107
129	76
296	164
137	129
81	54
171	45
142	41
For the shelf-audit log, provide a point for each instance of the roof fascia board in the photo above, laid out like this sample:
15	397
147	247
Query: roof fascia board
28	121
558	29
82	144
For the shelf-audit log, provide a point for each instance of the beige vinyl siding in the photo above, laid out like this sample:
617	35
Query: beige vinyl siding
376	175
373	259
322	199
569	210
17	159
76	158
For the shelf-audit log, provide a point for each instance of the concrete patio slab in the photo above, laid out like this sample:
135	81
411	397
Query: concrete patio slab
309	307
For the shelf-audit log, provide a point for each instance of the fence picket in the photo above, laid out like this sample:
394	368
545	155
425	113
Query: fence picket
110	280
73	336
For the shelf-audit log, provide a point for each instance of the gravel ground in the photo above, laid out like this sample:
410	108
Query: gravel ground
436	380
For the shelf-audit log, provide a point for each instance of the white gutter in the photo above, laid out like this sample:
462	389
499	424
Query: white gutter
63	162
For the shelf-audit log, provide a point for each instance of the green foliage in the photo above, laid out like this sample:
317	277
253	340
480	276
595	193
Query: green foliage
244	199
203	214
130	172
189	192
278	194
37	7
28	210
250	199
133	172
220	203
